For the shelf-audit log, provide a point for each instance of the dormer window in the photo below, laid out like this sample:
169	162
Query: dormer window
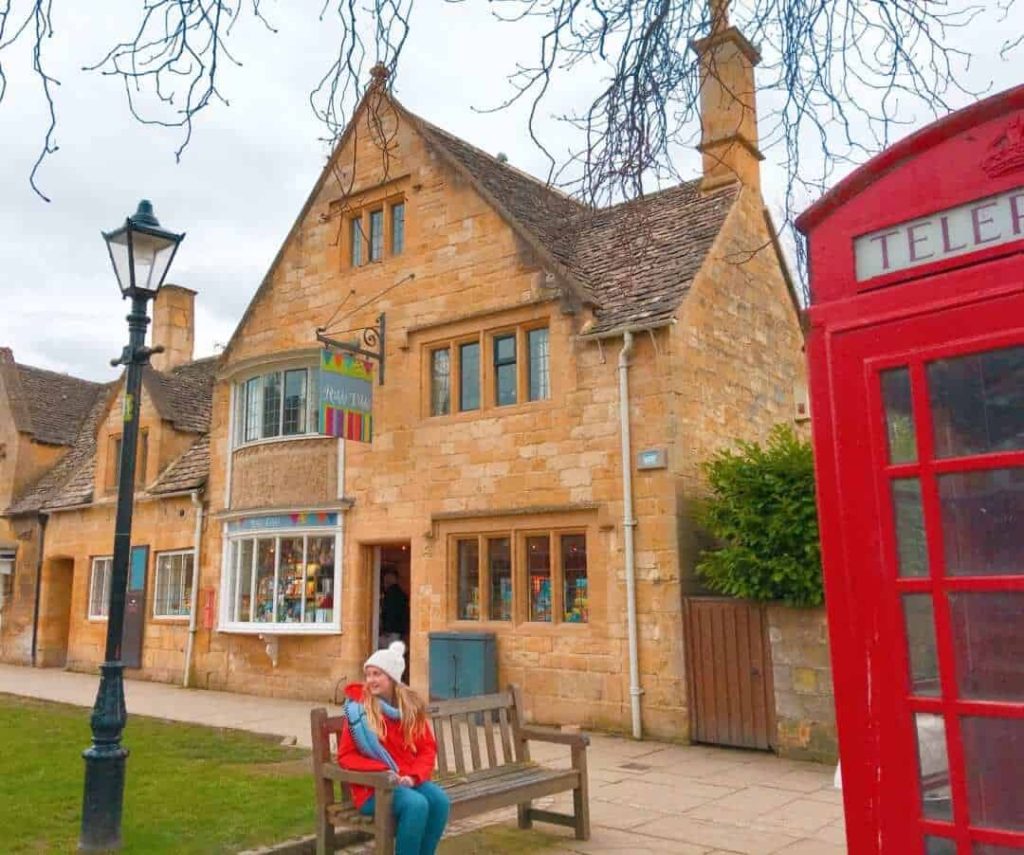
276	404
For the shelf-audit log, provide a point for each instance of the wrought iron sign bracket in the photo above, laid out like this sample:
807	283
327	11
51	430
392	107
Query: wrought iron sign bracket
369	344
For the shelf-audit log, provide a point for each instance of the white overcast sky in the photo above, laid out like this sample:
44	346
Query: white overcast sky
249	167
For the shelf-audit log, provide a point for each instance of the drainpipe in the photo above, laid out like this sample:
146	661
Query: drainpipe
628	526
196	540
39	585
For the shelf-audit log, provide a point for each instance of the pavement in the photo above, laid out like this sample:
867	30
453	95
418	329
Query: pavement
645	796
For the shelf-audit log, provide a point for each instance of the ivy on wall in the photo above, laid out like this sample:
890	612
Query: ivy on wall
762	513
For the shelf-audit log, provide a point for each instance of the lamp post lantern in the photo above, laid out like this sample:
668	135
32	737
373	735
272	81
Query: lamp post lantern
141	253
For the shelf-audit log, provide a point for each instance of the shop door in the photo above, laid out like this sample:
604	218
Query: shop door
938	537
135	608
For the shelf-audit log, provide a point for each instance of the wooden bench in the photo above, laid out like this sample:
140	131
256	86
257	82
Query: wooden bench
476	778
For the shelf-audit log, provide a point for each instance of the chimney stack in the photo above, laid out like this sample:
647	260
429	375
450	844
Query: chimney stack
173	327
728	106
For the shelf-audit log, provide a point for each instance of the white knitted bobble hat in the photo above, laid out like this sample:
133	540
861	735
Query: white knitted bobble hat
390	660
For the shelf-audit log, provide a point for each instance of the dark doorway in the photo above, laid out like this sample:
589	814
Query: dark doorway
392	588
55	613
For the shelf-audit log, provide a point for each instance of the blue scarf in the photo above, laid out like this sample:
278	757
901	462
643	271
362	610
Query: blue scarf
365	736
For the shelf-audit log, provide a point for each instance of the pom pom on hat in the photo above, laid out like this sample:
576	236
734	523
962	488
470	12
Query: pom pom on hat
390	660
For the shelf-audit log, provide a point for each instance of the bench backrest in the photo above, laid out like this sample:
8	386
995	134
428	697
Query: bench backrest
473	734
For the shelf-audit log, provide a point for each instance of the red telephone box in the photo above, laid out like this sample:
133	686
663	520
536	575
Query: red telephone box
916	355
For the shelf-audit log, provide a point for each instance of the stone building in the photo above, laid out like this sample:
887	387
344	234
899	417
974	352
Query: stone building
512	321
553	378
58	615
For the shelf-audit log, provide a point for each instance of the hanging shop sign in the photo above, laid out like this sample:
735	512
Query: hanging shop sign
346	395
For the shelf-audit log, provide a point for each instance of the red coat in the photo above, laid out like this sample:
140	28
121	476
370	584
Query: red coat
416	761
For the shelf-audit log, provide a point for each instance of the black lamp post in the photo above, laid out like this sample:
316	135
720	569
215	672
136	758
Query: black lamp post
141	253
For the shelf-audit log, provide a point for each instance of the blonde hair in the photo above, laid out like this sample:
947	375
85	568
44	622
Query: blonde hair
411	707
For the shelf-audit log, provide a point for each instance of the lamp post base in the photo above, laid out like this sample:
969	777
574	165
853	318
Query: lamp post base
105	765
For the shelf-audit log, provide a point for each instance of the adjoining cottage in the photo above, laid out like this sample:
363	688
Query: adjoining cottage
58	616
553	378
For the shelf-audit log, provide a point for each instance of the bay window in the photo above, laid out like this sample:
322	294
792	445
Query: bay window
276	404
283	571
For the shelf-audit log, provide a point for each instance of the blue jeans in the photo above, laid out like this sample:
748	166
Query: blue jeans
421	813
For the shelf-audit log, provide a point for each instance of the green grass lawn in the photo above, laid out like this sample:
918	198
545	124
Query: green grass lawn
189	789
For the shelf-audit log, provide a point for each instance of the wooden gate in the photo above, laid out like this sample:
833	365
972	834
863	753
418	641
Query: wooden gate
729	672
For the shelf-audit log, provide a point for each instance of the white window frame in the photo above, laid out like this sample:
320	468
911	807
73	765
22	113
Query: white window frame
95	562
239	411
227	590
7	563
190	575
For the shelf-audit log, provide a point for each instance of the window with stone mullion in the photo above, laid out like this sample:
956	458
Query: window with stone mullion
440	382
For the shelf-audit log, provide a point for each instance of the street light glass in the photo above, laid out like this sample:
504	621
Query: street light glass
141	252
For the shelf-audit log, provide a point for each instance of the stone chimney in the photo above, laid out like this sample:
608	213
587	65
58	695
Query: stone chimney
173	326
728	105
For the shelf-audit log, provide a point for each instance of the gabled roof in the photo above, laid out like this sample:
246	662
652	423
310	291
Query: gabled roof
48	406
640	258
582	246
182	396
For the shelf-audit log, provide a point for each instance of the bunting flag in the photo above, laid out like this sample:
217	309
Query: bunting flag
346	395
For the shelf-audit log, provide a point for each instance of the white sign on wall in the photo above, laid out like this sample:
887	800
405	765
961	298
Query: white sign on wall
945	234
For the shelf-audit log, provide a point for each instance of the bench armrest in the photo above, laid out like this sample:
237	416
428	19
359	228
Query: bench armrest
550	734
377	780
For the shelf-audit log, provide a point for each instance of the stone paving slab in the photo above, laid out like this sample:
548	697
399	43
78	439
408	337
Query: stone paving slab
646	797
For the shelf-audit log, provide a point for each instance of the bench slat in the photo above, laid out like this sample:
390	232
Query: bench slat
506	739
460	765
473	735
461	706
442	751
488	738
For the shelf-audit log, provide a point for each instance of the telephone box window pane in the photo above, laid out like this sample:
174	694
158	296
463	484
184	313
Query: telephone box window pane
538	572
982	513
993	849
924	663
499	563
933	766
940	846
911	547
899	415
469	377
574	576
989	644
468	556
994	757
977	402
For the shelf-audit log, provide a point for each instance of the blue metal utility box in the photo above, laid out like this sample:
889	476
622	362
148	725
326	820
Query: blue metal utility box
463	664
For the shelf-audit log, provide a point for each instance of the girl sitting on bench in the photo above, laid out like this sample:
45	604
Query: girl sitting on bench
387	731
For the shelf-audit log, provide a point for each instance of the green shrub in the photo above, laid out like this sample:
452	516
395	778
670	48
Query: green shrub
762	512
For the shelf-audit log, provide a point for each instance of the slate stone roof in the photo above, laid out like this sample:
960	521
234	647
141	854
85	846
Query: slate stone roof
640	258
45	404
70	481
633	263
188	472
182	396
